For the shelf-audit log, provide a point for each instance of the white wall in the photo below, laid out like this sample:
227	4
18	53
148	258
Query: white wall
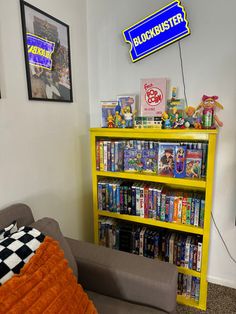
210	67
44	146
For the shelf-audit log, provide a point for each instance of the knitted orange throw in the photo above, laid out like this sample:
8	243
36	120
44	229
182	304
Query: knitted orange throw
45	285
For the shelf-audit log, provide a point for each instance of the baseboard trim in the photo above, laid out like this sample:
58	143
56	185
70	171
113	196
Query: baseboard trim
222	282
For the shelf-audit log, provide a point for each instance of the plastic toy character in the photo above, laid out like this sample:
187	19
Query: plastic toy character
118	120
110	121
208	106
128	116
197	124
166	120
178	122
123	124
193	118
190	111
118	107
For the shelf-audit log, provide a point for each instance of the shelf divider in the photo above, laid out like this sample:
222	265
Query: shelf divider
193	183
152	222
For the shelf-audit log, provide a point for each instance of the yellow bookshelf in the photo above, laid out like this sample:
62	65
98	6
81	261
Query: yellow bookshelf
181	135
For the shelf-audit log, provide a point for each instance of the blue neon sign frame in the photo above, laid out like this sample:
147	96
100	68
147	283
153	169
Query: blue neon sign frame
157	30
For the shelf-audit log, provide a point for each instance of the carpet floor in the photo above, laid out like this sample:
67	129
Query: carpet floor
220	300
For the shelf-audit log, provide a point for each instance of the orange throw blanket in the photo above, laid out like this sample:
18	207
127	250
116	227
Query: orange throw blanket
45	285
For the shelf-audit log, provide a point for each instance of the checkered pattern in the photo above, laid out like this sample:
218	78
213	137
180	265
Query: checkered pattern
6	232
16	250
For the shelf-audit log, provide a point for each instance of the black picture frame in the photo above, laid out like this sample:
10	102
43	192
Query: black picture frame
47	55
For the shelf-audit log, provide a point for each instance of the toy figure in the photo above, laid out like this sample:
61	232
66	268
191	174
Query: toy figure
118	107
128	116
172	113
175	105
193	118
123	124
208	106
118	120
110	121
166	120
178	122
189	112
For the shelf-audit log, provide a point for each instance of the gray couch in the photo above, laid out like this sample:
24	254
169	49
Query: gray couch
117	282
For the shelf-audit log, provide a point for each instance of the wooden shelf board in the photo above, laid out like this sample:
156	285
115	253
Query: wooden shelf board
201	184
152	222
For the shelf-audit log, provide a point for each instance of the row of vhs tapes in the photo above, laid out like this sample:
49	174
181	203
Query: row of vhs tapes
177	159
151	200
189	287
177	248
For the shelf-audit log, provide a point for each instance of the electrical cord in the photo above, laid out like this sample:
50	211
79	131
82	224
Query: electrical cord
182	71
222	239
183	79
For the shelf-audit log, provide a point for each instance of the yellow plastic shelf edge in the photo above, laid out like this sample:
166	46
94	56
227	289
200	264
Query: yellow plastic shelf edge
152	222
201	184
189	272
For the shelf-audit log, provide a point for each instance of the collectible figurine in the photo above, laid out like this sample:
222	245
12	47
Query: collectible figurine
208	106
193	118
118	120
189	112
166	121
110	121
128	116
178	122
175	104
118	107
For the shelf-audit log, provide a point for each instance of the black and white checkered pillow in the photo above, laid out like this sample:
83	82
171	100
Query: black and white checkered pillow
16	250
6	232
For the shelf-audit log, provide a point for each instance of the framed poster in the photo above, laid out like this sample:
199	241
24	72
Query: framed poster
47	55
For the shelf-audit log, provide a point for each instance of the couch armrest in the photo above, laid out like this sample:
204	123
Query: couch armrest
126	276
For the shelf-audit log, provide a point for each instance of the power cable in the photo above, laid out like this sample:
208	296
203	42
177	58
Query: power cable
230	255
183	79
182	71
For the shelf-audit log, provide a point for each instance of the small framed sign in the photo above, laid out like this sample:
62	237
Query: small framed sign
47	55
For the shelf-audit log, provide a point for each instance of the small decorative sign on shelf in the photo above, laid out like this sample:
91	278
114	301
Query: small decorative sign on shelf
157	30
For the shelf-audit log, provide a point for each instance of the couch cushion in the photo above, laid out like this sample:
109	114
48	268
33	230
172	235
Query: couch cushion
126	276
50	227
16	250
45	285
108	305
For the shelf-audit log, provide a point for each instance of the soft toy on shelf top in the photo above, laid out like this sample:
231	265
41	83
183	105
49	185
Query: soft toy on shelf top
208	107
